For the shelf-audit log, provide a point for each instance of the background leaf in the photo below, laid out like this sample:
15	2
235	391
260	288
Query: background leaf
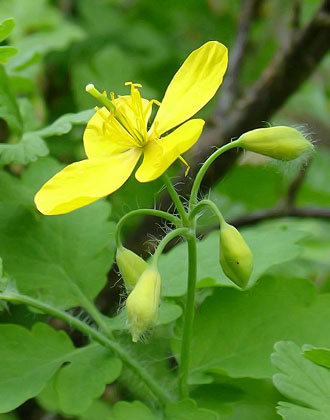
235	331
6	26
283	246
188	410
124	410
319	356
29	359
306	384
43	254
9	110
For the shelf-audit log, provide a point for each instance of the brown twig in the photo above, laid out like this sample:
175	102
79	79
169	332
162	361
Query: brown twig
267	214
229	89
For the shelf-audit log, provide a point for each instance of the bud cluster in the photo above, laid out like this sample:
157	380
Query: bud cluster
143	283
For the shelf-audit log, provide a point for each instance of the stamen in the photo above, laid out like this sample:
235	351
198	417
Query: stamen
153	101
185	162
133	84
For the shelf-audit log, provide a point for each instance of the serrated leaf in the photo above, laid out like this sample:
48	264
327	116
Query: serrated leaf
82	381
65	123
239	399
283	246
28	149
32	146
62	259
29	359
303	382
188	410
6	26
7	52
9	110
235	331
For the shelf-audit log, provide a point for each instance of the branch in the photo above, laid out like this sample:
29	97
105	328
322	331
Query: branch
278	212
229	89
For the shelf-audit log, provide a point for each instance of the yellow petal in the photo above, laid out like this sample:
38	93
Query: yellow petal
193	86
84	182
160	154
104	137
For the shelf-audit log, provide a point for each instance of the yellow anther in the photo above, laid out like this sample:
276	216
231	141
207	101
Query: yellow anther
133	84
185	163
154	101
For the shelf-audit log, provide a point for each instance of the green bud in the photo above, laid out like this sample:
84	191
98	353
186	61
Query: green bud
142	304
284	143
131	266
236	258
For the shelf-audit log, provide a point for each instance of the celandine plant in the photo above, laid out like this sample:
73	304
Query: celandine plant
115	139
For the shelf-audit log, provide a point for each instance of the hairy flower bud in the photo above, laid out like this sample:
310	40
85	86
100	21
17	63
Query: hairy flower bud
284	143
142	304
131	266
236	258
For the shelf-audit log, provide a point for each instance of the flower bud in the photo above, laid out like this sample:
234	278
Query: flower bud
131	266
236	258
142	304
284	143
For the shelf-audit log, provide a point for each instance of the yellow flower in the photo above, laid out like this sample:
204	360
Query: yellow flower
117	135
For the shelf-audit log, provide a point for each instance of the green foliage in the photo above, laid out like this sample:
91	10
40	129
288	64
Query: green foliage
187	410
304	383
49	51
56	270
239	399
6	52
319	356
230	324
282	247
30	359
132	411
9	110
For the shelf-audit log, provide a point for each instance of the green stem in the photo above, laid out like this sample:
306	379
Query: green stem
207	203
96	315
176	200
204	168
90	332
166	240
142	212
188	320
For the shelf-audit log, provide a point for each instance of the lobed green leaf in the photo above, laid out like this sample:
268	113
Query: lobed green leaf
235	331
304	383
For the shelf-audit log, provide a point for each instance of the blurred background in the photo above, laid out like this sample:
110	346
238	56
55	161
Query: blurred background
279	74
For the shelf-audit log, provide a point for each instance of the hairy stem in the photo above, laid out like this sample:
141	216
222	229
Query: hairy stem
166	240
203	170
176	200
188	319
159	392
142	212
209	204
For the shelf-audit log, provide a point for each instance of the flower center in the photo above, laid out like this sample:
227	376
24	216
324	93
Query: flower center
131	112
